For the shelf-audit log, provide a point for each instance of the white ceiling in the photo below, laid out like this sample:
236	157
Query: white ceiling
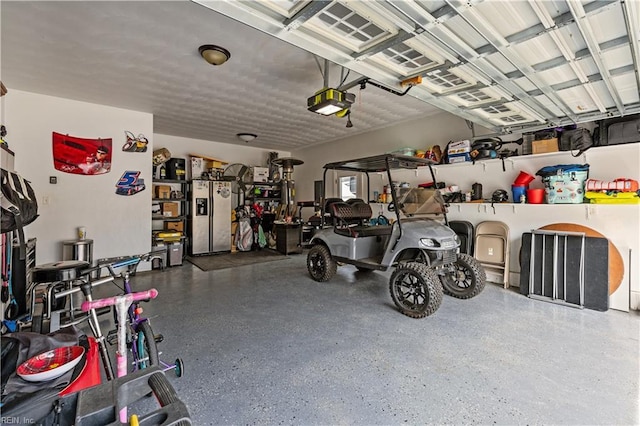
505	65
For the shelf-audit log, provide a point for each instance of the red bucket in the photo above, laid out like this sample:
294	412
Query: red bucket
535	196
523	179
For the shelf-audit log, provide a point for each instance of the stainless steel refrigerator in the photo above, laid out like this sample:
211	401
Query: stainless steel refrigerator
210	216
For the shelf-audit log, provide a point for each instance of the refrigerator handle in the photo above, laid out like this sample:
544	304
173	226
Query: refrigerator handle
212	192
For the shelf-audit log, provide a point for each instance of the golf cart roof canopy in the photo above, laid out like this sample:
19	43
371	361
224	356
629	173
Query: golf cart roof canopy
380	163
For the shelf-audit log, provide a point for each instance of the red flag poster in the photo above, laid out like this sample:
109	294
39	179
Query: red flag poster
81	156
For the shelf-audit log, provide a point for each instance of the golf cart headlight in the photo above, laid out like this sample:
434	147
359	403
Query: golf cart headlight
428	242
456	238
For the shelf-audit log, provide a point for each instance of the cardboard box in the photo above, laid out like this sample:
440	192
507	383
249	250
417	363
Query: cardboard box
170	209
459	158
174	226
459	147
545	145
216	164
162	191
260	174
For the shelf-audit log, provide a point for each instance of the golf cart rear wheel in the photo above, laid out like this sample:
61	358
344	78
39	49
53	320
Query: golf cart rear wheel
320	264
466	280
415	289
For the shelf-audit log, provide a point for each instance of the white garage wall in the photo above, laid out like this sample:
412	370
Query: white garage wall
250	154
621	224
118	225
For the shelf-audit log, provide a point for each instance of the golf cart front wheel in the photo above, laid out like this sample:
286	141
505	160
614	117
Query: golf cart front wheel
321	266
466	279
415	289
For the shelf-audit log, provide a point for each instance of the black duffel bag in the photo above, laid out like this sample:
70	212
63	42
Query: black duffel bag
578	140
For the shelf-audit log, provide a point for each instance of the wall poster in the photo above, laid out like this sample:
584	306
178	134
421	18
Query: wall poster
81	156
130	183
135	143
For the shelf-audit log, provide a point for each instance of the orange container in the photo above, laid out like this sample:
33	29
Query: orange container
535	196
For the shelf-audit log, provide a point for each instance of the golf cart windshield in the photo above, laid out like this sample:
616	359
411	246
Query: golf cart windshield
420	201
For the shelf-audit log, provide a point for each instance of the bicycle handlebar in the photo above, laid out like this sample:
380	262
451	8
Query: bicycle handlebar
128	298
78	288
122	261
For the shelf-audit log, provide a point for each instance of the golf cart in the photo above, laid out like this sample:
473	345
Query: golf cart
419	245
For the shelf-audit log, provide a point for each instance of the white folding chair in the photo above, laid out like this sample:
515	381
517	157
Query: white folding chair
492	248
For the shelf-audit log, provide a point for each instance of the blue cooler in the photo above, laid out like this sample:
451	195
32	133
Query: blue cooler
564	183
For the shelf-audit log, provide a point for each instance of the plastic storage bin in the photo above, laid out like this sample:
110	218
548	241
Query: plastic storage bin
174	253
564	183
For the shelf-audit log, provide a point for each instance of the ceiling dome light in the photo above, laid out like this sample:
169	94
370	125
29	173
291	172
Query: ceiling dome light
213	54
247	137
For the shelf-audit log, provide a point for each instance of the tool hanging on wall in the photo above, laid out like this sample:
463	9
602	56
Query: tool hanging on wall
5	270
11	311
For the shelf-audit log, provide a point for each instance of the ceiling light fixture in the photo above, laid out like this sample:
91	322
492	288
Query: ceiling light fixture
247	137
215	55
329	101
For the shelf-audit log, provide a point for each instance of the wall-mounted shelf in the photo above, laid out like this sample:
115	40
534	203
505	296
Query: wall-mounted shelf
166	200
168	219
167	181
265	186
564	155
585	210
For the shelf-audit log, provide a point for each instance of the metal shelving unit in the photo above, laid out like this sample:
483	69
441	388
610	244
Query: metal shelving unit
269	200
161	223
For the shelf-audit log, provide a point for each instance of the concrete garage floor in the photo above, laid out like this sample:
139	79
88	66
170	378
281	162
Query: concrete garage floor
264	344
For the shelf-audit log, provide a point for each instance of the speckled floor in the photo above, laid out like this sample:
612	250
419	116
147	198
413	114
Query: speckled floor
266	345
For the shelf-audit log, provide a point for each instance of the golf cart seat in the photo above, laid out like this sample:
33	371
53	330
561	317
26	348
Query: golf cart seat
328	212
352	220
355	201
361	210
